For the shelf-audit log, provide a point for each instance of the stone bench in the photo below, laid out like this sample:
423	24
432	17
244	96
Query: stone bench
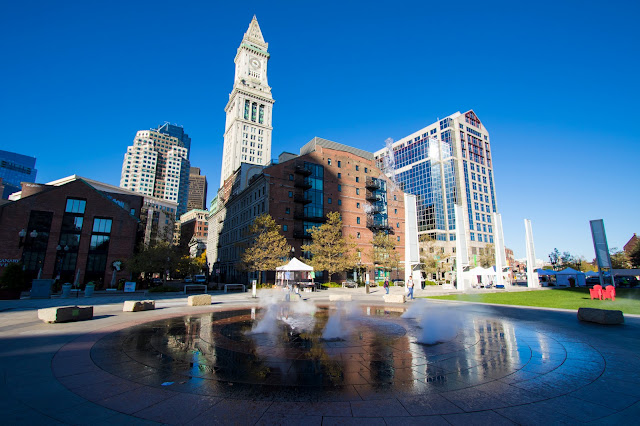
339	298
196	286
199	300
138	305
66	314
393	298
600	316
232	286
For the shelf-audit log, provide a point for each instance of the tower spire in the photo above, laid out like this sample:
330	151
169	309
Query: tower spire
254	35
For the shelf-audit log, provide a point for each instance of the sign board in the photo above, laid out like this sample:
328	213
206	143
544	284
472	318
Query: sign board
129	286
600	244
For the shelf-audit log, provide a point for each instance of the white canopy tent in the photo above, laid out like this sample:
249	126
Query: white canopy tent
562	277
480	276
295	270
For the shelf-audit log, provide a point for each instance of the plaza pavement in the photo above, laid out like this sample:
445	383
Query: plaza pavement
591	375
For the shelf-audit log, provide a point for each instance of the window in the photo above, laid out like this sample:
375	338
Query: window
357	179
395	198
339	202
329	161
287	211
339	164
395	211
357	191
329	200
339	188
358	235
357	205
75	206
339	175
365	170
357	168
290	194
398	225
285	228
398	239
472	236
358	220
290	177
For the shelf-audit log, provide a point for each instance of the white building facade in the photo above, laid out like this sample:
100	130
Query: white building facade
248	127
446	163
157	165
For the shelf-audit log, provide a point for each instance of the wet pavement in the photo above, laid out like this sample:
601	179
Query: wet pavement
195	365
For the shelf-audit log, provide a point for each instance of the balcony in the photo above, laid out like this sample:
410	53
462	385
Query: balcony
373	196
302	183
372	184
301	170
300	234
376	224
299	198
300	215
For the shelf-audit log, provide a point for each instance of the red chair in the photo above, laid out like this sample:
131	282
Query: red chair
609	293
596	292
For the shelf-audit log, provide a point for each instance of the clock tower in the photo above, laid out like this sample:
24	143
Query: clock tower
247	134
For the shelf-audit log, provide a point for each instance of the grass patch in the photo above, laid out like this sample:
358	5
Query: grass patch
627	300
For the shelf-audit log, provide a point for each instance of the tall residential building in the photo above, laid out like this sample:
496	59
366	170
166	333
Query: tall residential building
197	190
15	169
247	134
446	163
157	165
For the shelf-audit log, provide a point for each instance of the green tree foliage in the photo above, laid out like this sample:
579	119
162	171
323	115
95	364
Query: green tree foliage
487	256
634	256
431	256
13	277
188	266
564	260
154	260
619	259
384	253
267	248
330	251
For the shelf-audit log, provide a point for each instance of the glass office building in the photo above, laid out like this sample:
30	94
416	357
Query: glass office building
14	169
444	164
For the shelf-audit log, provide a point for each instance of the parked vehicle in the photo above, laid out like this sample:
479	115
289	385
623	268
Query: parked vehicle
156	282
200	279
188	279
626	282
592	281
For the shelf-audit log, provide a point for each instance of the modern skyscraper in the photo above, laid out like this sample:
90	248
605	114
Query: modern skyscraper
157	164
14	169
447	163
247	135
197	190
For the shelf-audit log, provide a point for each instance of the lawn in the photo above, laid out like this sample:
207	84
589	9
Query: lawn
627	300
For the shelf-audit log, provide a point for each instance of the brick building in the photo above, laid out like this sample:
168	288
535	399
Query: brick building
298	192
69	229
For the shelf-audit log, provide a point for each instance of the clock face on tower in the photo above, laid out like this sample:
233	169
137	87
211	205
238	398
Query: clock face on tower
255	63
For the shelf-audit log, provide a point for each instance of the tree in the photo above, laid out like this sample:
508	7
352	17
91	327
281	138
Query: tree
383	252
432	256
634	255
330	251
619	259
158	259
487	256
268	247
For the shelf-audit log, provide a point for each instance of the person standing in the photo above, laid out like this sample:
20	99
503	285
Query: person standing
410	287
386	285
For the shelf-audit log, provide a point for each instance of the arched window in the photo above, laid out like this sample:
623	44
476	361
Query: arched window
254	110
261	115
246	109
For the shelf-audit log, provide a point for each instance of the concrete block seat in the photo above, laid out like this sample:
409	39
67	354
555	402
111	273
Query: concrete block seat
600	316
138	305
199	300
340	298
65	314
393	298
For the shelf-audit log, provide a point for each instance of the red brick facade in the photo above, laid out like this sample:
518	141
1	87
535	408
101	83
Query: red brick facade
121	209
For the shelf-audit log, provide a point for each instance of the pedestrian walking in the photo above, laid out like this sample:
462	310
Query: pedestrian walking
386	285
410	287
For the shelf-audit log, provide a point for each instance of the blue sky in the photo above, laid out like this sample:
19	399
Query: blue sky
555	83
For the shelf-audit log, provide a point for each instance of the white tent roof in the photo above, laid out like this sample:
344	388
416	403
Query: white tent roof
478	270
294	265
